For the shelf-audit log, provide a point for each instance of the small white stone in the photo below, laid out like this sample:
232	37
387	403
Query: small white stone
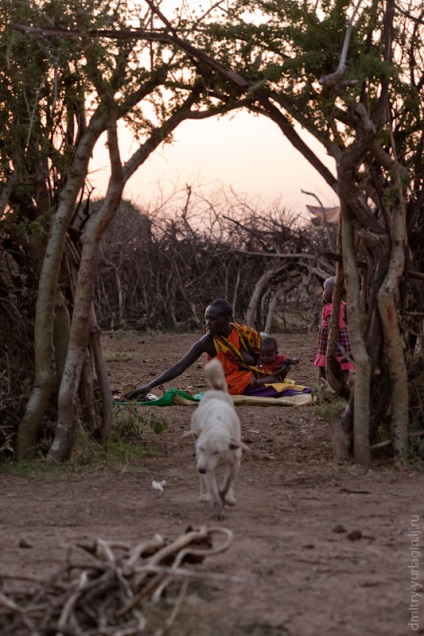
158	485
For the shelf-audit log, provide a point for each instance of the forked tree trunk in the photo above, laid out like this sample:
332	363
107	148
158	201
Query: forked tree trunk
45	367
68	403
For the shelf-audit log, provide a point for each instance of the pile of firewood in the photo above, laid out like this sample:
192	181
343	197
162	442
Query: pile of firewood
108	593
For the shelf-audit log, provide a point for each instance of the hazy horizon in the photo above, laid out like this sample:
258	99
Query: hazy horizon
243	152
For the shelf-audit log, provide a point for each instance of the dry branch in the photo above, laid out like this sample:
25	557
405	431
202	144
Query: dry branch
108	594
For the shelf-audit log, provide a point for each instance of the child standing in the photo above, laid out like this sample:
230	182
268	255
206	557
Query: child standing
343	349
275	364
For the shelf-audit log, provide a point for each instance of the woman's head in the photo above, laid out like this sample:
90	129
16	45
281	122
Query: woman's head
218	317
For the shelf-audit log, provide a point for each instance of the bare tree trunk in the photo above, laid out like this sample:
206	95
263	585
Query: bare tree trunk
362	387
119	293
45	367
62	326
90	415
394	349
68	402
236	287
395	346
45	380
270	313
30	425
255	298
341	433
102	376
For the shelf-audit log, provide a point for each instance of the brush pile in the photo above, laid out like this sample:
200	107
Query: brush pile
109	590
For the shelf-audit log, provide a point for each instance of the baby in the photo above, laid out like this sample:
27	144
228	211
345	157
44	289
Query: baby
275	364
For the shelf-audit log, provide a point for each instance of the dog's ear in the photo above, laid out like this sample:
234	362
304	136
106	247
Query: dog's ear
235	444
191	434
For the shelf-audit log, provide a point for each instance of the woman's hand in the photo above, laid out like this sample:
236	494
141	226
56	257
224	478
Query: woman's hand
135	393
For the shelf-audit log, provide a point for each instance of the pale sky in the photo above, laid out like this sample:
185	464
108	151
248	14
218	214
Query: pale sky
246	153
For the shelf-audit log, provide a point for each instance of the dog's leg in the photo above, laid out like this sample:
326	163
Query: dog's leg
204	494
227	489
217	501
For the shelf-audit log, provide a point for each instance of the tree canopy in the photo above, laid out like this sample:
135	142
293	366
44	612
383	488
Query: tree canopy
351	75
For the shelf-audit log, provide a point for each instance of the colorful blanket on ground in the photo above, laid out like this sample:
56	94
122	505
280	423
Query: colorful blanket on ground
175	397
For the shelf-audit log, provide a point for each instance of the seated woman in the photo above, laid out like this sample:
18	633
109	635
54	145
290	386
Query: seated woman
235	346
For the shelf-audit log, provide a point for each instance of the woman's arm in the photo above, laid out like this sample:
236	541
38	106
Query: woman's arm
204	345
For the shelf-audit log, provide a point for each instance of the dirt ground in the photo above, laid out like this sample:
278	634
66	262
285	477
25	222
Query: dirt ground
319	549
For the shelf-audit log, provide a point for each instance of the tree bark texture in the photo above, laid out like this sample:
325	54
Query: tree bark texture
68	402
395	346
45	367
362	387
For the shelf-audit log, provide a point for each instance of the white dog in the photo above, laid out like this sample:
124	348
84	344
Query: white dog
216	427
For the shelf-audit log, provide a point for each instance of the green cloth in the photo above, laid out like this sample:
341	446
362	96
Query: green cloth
171	397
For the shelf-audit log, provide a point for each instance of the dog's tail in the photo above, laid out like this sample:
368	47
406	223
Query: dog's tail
215	375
